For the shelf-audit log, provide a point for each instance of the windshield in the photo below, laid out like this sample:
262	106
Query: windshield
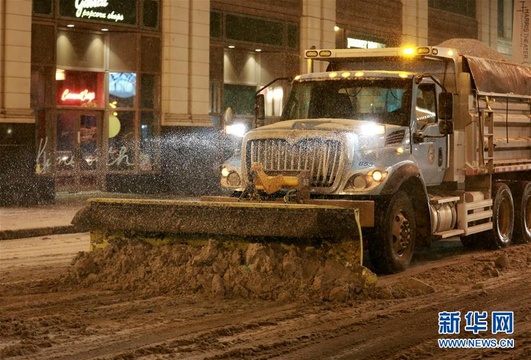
382	100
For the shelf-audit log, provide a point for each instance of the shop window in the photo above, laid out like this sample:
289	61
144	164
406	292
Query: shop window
255	30
42	34
363	44
463	7
240	98
80	50
80	88
121	140
43	7
293	36
88	142
215	24
274	96
122	89
42	82
151	14
505	19
149	89
215	90
150	54
123	51
148	144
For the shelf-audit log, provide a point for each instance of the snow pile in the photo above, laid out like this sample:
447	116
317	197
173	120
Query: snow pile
220	270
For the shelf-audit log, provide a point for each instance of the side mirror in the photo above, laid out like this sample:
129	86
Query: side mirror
446	106
259	110
446	127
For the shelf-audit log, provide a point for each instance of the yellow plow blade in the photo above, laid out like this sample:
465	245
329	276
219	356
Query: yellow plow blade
163	221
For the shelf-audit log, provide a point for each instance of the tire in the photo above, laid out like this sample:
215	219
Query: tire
522	213
392	248
502	217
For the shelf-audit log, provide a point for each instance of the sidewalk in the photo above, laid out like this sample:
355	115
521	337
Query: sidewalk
43	220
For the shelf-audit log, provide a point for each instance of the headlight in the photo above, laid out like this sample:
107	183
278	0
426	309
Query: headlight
372	129
237	129
360	182
377	175
225	172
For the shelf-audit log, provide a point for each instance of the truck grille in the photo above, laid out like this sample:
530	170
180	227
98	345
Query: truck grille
320	157
395	138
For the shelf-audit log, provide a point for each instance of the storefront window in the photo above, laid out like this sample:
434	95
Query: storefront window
215	24
123	55
150	54
122	89
43	7
88	142
293	36
96	93
148	143
65	141
122	140
42	82
79	88
256	30
80	50
149	91
240	98
151	14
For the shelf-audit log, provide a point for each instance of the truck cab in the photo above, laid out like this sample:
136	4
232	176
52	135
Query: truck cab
409	139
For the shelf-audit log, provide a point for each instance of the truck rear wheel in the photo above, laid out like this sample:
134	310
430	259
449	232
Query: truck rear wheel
502	217
392	247
522	210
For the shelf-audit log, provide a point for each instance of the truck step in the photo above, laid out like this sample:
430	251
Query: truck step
449	233
443	200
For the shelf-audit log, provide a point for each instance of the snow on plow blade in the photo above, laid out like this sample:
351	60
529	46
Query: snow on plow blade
165	221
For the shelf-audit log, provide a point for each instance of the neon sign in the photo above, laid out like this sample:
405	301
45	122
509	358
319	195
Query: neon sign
81	96
115	11
82	12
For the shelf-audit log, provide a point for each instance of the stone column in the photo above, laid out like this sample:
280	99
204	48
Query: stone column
415	22
487	17
185	63
317	27
15	61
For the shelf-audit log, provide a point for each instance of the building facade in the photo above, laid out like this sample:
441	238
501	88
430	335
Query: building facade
128	96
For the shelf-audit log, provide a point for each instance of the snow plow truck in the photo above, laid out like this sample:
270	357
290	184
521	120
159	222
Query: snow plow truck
409	144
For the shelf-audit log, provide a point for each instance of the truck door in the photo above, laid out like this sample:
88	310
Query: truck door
429	147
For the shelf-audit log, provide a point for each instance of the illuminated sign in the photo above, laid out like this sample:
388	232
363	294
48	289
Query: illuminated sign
82	96
81	88
116	11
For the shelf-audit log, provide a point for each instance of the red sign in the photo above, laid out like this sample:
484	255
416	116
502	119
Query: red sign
78	97
81	88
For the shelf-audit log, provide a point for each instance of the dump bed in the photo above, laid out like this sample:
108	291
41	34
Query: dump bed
499	127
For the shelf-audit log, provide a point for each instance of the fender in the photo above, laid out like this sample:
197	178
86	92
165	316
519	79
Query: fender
409	179
401	176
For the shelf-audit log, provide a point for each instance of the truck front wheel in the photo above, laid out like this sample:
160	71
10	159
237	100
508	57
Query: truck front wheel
502	217
392	247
